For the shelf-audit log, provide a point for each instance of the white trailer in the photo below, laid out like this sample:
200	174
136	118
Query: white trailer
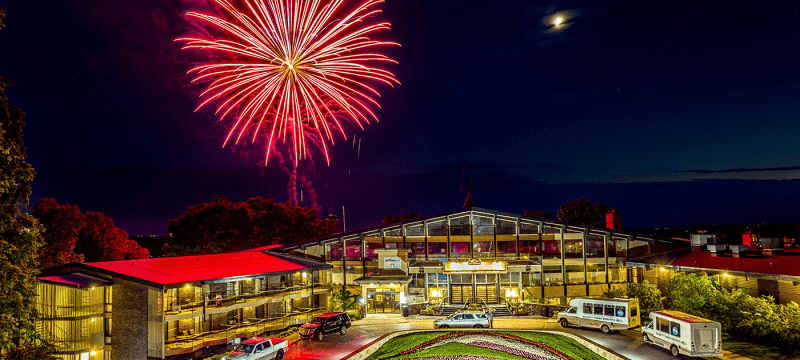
605	314
684	334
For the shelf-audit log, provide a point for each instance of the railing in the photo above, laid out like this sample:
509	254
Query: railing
226	334
52	312
223	301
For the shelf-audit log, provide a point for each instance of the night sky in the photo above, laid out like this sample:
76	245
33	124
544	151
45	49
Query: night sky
673	112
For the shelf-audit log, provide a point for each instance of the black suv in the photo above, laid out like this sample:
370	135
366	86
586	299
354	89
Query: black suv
325	324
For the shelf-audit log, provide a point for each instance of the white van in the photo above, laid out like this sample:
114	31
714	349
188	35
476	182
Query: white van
605	314
684	334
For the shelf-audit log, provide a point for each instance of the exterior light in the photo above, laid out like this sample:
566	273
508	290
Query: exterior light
391	284
362	301
93	353
558	21
92	287
187	286
92	319
724	274
662	269
371	284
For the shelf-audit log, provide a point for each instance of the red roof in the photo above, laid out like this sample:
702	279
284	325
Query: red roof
773	265
172	270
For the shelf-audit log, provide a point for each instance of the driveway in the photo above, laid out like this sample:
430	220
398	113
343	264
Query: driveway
333	347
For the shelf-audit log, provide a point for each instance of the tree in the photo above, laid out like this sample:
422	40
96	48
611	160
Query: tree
691	292
71	236
582	212
100	240
222	226
20	239
61	223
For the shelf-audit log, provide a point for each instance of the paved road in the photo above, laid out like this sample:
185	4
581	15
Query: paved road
334	347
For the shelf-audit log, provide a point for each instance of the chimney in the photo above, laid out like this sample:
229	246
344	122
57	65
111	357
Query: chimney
614	220
535	213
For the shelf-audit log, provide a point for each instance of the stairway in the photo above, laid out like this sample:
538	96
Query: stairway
501	310
447	310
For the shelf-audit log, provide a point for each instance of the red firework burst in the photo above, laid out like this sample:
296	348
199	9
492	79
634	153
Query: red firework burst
302	67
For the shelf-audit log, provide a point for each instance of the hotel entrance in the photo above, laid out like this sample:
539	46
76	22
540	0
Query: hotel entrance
383	302
480	287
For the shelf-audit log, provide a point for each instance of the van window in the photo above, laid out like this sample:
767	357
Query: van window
674	328
609	310
663	325
598	309
620	311
634	311
587	308
572	310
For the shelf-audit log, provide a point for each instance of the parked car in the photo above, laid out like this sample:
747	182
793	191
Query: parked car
684	334
463	319
605	314
326	323
259	348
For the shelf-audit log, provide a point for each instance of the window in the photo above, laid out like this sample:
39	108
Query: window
572	311
674	328
663	325
598	309
457	317
621	311
467	316
587	308
266	345
481	316
634	311
609	310
258	348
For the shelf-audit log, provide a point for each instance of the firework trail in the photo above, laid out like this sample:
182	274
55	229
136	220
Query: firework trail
292	69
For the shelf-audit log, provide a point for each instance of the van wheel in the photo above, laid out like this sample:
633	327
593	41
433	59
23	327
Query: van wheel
279	355
477	326
605	329
645	338
674	350
343	330
564	323
320	335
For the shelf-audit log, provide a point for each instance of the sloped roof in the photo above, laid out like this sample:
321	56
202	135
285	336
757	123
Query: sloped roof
185	269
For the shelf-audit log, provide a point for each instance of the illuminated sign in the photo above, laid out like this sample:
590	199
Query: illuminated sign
498	266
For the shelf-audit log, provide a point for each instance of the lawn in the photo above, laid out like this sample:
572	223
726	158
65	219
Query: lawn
516	347
757	351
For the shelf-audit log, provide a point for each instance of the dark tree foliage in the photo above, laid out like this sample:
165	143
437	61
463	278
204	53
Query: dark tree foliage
20	239
582	212
61	223
223	226
71	236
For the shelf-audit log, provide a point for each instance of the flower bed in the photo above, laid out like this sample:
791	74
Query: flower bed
483	345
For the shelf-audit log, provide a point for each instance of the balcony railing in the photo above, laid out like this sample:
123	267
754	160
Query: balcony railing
250	328
223	301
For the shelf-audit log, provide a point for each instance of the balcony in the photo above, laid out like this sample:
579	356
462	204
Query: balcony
250	328
224	303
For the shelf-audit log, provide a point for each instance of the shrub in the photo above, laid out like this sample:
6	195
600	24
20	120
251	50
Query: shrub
691	293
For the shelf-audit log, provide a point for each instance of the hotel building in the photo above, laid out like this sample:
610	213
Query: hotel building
478	254
178	307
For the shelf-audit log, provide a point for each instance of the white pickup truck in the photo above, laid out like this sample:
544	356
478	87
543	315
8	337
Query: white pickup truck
259	348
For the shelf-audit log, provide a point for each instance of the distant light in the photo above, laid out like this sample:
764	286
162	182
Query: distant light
93	352
724	274
662	269
92	319
92	287
559	21
187	286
